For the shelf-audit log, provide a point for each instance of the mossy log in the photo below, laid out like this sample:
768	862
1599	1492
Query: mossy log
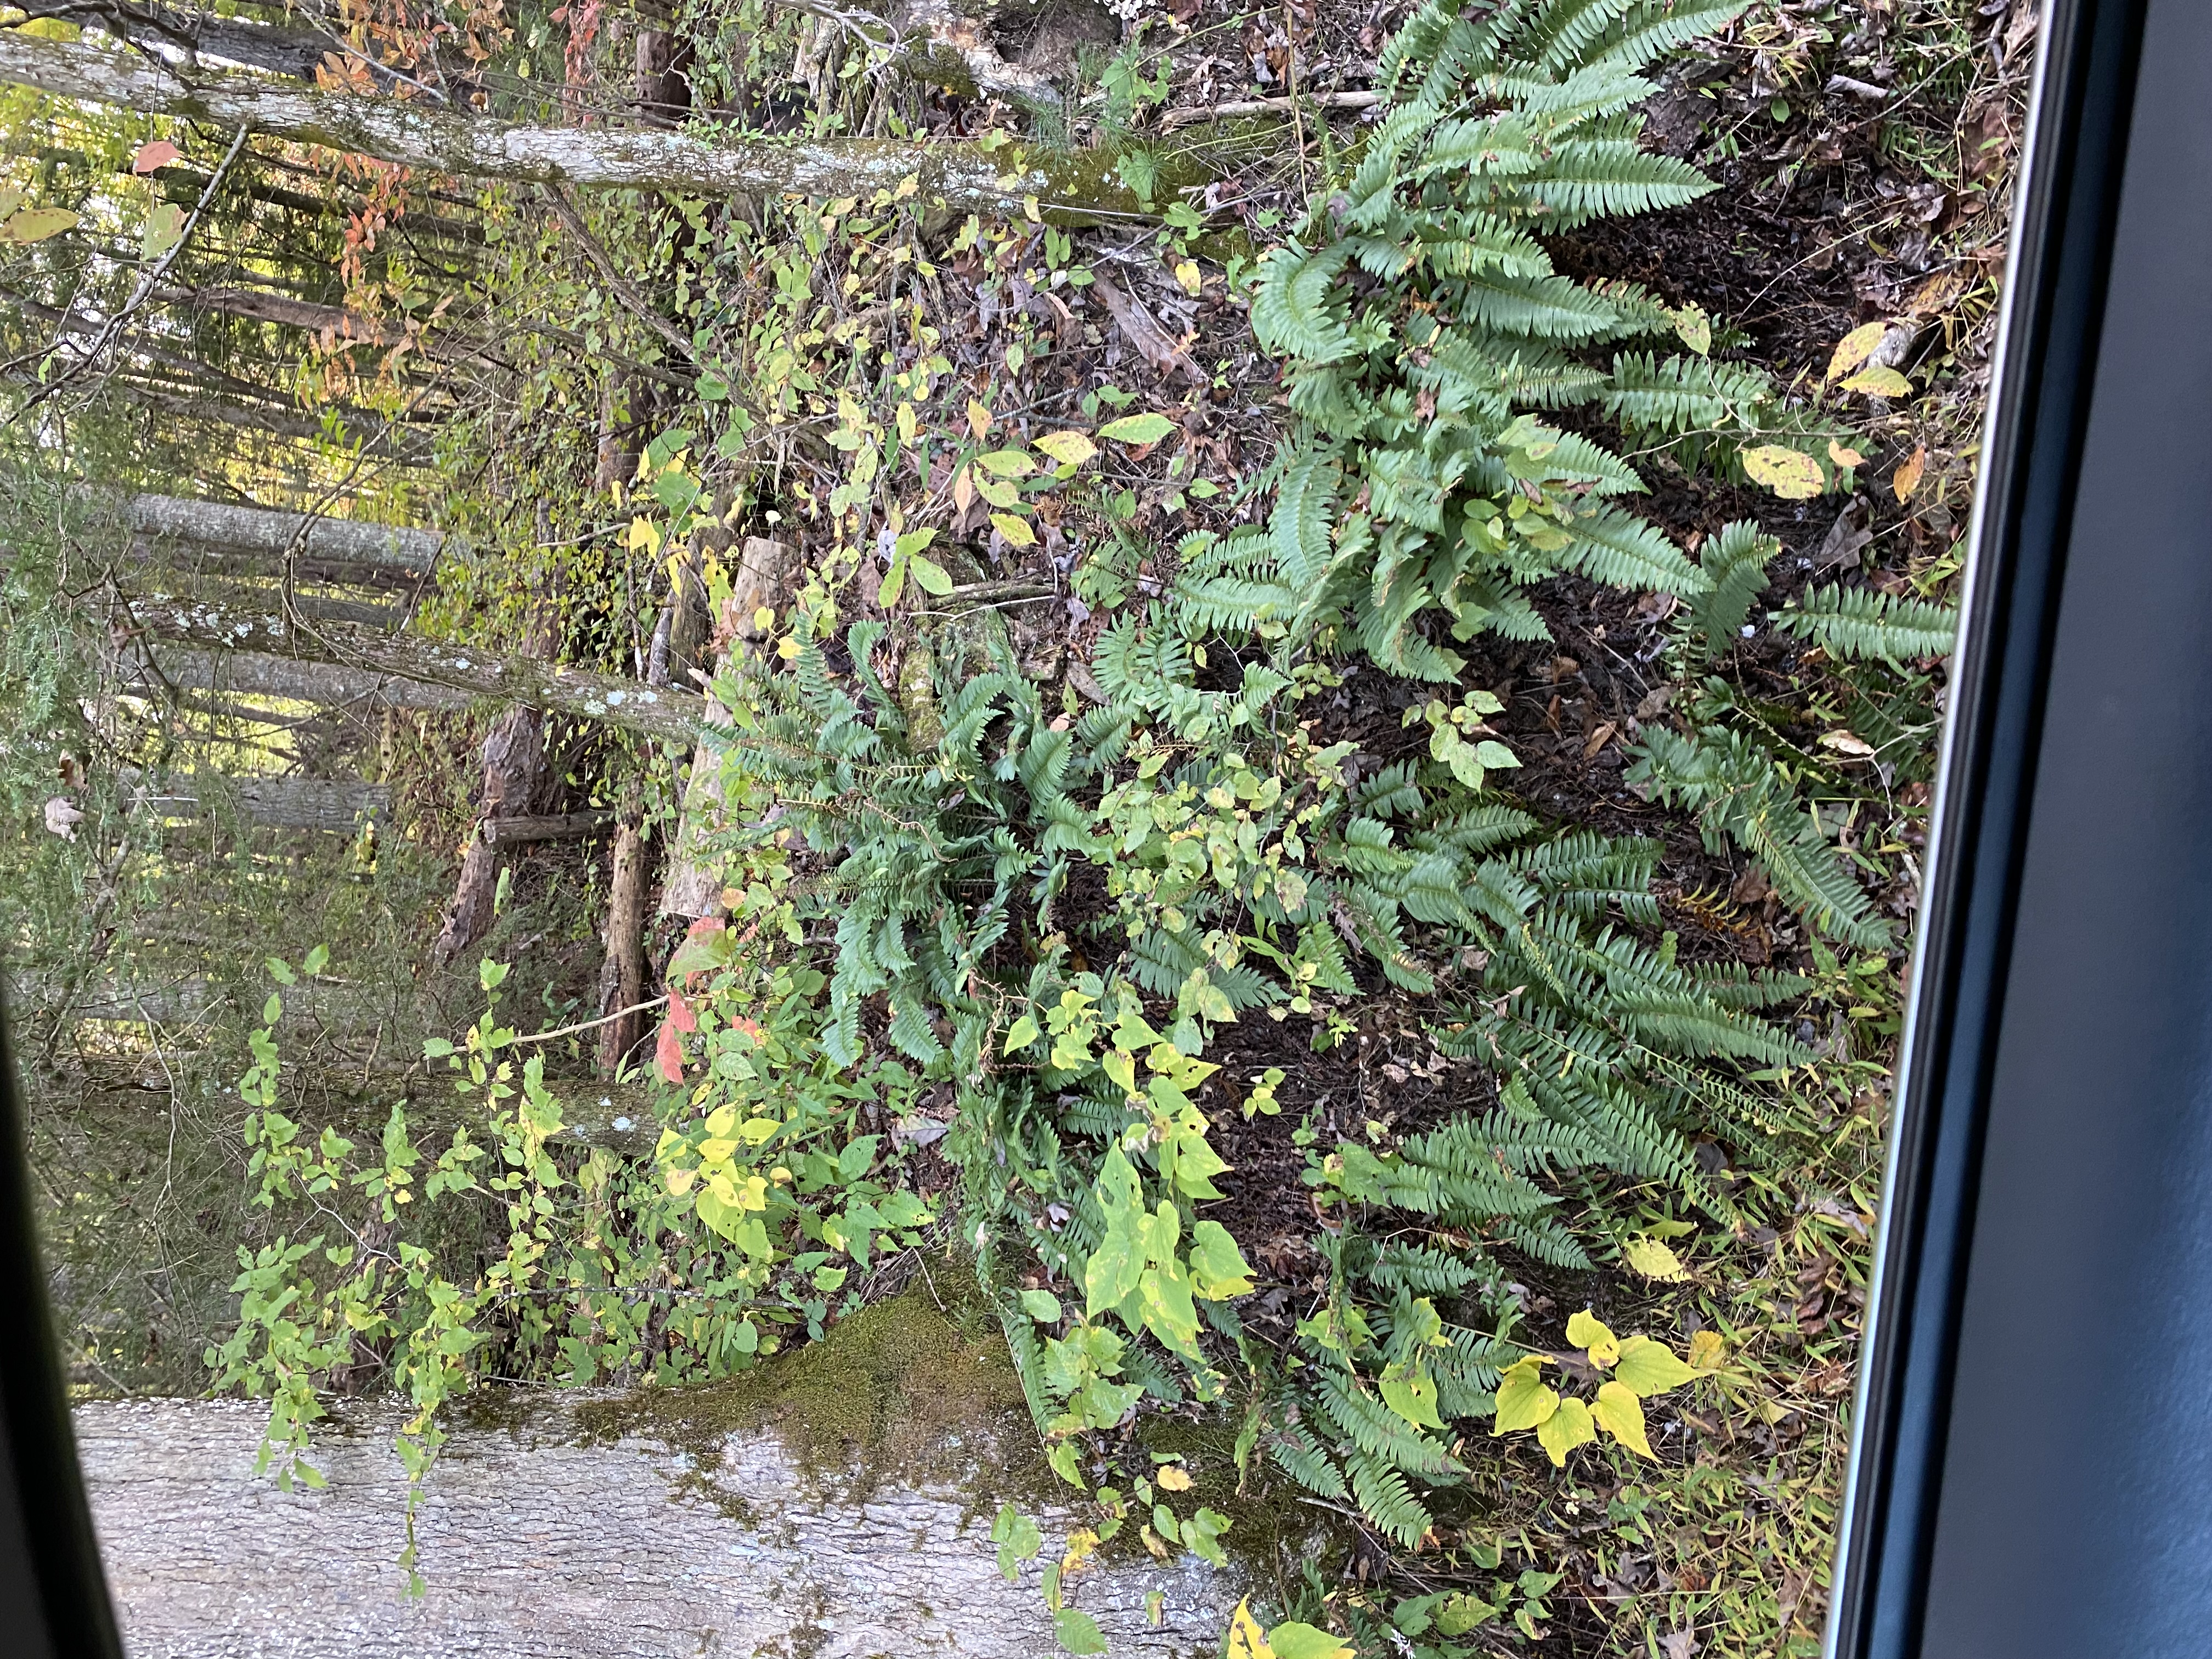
835	1504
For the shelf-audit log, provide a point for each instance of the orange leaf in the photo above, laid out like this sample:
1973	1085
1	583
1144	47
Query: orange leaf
159	153
669	1051
1907	476
680	1015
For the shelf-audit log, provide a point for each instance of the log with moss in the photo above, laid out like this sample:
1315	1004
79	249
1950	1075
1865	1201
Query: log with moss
837	1500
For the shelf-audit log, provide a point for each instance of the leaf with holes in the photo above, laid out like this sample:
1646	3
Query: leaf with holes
1790	474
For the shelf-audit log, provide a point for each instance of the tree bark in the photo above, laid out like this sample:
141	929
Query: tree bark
563	826
694	887
653	712
272	533
412	134
261	305
540	1538
622	979
339	805
259	673
293	52
513	772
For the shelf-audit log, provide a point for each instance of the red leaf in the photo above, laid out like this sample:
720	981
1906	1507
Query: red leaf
159	153
751	1028
679	1013
670	1053
706	925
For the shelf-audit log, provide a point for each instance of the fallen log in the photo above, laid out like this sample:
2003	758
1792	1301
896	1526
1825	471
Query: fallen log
553	826
837	1502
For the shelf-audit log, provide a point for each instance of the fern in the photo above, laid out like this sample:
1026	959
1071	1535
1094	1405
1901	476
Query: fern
1858	623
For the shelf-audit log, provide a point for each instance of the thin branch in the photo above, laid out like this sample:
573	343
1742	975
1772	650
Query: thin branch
633	297
587	1025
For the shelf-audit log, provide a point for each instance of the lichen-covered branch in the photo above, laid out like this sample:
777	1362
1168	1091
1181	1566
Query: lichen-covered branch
411	133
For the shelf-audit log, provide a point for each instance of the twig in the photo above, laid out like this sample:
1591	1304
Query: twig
632	296
1184	117
587	1025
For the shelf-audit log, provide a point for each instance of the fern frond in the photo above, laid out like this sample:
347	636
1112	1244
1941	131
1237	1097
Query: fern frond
1858	623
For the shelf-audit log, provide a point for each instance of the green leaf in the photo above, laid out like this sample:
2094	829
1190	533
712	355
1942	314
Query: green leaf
894	581
1113	1272
931	574
1568	1427
1653	1259
1217	1267
1006	463
1297	1641
1062	1458
1586	1330
1201	1536
281	972
1015	530
1523	1401
1145	429
1042	1306
318	959
913	542
1693	327
273	1009
1648	1368
1019	1539
1077	1631
1023	1033
1621	1415
1414	1398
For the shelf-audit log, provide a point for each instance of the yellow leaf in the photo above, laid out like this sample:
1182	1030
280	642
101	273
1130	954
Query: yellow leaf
36	224
1621	1415
763	619
1907	476
1173	1477
1006	463
1523	1401
1586	1330
1029	210
1854	348
906	187
644	536
1246	1639
1653	1259
1646	1368
1790	474
1068	448
906	423
1843	457
1693	328
963	489
1706	1351
1847	743
1879	382
787	648
979	418
1186	272
1015	530
1565	1429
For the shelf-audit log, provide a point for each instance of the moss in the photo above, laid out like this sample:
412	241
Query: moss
1272	1532
911	1388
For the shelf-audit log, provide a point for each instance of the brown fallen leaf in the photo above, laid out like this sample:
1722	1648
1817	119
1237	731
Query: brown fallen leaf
1598	739
1140	328
1906	479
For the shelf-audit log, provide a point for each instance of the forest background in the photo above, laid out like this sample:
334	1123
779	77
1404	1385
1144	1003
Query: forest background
1262	680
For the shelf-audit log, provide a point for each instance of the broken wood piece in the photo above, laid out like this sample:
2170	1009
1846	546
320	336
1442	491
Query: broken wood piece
558	826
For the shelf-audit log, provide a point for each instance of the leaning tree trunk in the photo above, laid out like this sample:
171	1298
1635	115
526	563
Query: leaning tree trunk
964	175
338	805
264	674
572	1526
464	672
272	533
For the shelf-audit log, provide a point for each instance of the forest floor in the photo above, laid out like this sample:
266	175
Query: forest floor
1864	155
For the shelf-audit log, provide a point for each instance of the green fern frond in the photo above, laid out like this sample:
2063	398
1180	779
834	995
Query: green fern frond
1858	623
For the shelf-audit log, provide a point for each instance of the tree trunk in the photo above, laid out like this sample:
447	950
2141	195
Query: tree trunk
411	134
339	805
293	52
256	530
543	1536
378	437
667	714
622	979
562	826
513	772
259	673
261	305
694	887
